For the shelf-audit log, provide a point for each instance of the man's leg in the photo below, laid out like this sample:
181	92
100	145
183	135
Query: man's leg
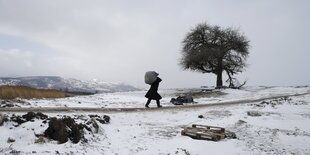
147	103
158	104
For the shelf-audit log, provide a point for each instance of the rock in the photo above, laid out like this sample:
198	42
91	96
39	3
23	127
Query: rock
15	152
240	122
102	119
10	140
62	129
40	140
76	133
27	117
259	105
2	102
106	119
57	130
254	113
95	125
230	135
2	118
7	105
31	115
18	119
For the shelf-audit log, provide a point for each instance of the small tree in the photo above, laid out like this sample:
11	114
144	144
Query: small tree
211	49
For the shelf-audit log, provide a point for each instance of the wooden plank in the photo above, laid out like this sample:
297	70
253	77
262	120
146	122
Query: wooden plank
202	134
214	128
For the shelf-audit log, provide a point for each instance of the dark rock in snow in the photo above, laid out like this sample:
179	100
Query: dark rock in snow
254	113
230	135
10	140
95	125
102	119
241	122
40	140
7	105
3	102
200	116
31	115
18	119
57	130
62	129
15	152
3	118
27	117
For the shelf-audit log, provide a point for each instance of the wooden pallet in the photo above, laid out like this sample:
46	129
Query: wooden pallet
204	132
210	128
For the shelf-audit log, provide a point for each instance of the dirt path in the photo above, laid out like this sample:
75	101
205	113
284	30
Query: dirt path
115	110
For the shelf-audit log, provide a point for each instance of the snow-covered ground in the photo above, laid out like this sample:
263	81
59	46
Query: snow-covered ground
136	99
281	126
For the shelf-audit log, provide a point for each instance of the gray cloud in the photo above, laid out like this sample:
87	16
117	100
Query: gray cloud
120	40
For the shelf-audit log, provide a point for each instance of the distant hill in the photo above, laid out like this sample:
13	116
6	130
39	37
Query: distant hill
66	84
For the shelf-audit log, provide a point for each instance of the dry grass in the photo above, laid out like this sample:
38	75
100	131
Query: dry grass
12	92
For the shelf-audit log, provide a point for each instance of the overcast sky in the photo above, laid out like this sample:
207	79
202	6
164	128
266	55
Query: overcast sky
118	41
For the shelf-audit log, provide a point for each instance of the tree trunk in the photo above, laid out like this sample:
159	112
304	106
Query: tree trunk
230	79
219	80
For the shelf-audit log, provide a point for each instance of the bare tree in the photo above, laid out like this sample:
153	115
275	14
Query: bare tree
212	49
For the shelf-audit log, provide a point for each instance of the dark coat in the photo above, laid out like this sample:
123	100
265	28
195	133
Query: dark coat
152	93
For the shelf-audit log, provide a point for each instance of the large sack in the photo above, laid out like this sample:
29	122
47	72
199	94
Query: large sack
150	77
